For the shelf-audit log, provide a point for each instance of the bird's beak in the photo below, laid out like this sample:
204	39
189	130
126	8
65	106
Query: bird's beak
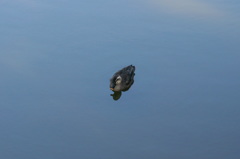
111	89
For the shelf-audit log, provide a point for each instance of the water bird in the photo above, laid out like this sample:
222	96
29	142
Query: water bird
123	79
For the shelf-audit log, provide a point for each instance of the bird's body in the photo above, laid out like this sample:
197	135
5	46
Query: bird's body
123	79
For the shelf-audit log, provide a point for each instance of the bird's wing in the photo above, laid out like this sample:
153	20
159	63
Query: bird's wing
128	77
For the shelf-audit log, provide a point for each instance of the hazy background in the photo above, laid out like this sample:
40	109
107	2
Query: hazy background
57	58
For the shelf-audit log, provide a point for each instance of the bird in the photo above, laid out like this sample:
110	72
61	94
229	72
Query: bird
123	79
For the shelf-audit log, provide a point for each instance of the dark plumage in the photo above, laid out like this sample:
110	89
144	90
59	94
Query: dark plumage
123	79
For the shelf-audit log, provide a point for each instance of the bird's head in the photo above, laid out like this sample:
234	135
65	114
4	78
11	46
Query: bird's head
115	83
